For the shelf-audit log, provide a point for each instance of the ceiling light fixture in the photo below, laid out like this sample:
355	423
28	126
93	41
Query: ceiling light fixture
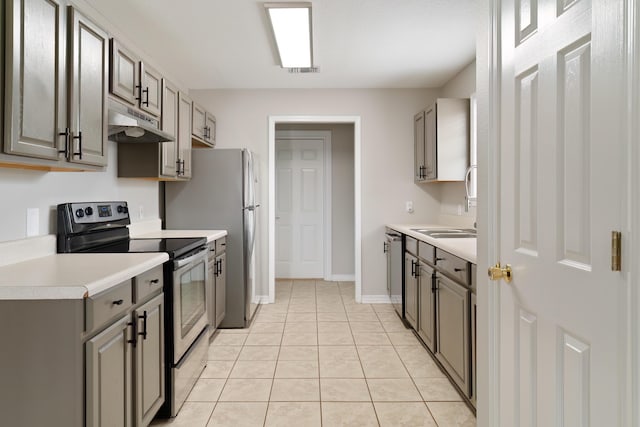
291	25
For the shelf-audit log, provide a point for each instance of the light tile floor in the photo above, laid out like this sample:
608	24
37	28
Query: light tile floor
316	358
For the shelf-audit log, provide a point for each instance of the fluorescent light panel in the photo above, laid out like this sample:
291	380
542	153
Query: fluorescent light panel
291	24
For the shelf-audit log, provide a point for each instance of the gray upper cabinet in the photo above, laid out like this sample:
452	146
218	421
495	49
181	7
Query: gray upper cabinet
203	127
56	86
169	125
36	69
88	49
124	74
151	97
441	138
133	81
184	136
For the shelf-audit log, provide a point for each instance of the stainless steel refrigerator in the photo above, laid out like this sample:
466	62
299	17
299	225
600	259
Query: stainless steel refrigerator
222	196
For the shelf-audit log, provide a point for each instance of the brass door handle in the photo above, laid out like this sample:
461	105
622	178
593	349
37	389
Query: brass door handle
497	272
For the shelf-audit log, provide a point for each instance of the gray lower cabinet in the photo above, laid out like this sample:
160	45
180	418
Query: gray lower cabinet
411	272
426	307
56	67
474	374
149	379
211	288
97	361
221	286
452	330
109	376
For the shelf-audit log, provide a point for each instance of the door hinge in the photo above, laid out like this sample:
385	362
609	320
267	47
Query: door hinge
616	251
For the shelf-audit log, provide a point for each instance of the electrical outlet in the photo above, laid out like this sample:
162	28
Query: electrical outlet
33	222
409	206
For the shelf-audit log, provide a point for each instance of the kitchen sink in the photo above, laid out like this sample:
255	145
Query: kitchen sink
447	233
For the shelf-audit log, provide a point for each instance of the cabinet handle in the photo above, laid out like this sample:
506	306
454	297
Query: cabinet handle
118	302
384	247
218	267
182	167
178	167
413	268
134	333
154	281
458	270
139	89
66	134
440	259
144	325
79	138
145	103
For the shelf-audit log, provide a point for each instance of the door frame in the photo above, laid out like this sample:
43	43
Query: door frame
488	90
357	146
327	193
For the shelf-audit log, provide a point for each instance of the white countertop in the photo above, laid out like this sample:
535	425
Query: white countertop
463	248
72	276
211	235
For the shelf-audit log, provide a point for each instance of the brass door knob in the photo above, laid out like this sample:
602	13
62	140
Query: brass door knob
497	272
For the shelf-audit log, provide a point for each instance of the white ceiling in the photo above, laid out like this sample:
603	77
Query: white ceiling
217	44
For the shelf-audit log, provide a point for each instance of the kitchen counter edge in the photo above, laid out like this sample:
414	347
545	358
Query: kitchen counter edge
463	248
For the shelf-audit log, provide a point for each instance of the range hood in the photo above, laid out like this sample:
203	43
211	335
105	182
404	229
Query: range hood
127	124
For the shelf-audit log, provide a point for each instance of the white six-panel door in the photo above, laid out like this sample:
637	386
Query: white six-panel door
561	180
300	208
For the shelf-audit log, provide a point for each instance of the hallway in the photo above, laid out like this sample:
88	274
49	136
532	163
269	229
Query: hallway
316	358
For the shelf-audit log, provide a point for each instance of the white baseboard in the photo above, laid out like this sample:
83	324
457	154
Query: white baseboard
262	299
376	299
343	278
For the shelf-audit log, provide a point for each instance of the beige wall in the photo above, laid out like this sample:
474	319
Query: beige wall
342	193
387	154
453	193
22	189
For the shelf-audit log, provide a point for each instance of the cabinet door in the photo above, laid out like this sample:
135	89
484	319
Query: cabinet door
452	311
419	143
149	360
411	289
199	121
184	135
430	143
124	76
426	307
87	91
151	90
108	376
210	129
169	149
36	70
221	288
211	295
474	374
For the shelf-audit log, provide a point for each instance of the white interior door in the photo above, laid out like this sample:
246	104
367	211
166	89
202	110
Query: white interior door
300	208
561	193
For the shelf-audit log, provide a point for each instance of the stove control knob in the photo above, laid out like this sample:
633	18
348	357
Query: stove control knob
121	209
79	213
88	211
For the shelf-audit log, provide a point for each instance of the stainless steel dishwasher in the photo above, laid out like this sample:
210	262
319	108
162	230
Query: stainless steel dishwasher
393	249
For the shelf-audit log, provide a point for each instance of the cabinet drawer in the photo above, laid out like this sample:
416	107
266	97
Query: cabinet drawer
108	304
453	266
221	245
411	245
426	252
148	283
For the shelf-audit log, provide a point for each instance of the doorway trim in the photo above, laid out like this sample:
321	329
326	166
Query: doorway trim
355	120
325	136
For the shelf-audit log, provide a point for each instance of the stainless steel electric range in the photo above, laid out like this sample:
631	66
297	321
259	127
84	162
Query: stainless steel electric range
101	227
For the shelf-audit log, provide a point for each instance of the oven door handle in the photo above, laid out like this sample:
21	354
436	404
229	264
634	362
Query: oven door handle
188	260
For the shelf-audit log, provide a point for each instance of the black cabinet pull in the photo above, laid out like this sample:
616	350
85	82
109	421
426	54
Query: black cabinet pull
440	259
458	270
139	89
218	268
66	134
413	268
145	103
144	325
118	302
134	334
79	138
384	247
154	281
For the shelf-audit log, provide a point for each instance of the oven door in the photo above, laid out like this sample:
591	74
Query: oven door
190	315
